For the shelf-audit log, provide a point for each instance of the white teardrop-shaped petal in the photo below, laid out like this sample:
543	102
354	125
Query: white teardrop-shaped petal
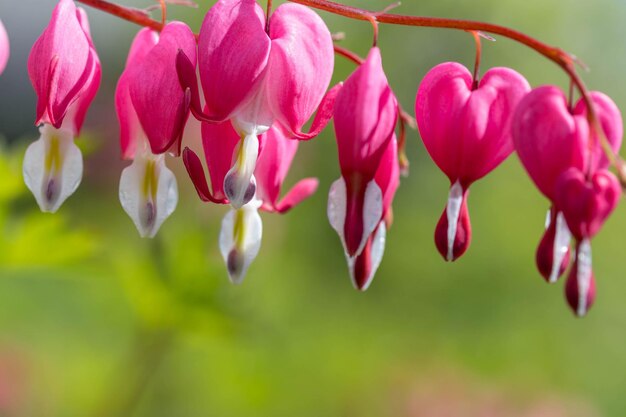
337	209
239	183
337	205
148	193
377	252
562	240
453	211
240	239
583	275
53	167
372	212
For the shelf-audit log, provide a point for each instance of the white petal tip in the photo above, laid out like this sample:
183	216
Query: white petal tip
53	168
148	193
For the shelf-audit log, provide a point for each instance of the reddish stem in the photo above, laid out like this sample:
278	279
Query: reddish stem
132	15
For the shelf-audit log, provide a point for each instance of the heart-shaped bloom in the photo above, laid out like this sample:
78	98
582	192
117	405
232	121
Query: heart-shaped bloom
4	48
365	117
152	111
551	138
242	228
258	79
363	267
65	72
586	203
466	130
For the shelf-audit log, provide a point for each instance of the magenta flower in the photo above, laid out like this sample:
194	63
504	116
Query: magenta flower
4	48
257	79
550	139
152	110
586	203
65	72
242	228
466	131
366	112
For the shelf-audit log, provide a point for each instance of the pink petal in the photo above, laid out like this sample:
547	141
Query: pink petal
300	192
219	142
161	105
4	47
466	130
196	173
233	50
365	118
131	132
60	64
273	164
585	202
300	64
78	110
388	174
611	122
549	139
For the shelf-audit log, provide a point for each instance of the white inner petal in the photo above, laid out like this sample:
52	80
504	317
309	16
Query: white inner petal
583	275
148	193
372	211
377	252
240	239
53	167
336	209
453	211
239	183
562	239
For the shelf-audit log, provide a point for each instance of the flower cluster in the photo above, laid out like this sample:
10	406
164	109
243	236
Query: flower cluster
254	82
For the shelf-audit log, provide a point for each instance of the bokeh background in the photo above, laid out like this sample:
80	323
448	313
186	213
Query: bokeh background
95	321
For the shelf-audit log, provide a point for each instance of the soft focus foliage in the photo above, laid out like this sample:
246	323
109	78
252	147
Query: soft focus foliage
95	321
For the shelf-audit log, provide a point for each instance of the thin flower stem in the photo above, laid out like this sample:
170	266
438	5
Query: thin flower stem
163	12
479	50
267	16
126	13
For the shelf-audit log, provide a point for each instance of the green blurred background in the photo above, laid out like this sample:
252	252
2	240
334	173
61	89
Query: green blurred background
95	321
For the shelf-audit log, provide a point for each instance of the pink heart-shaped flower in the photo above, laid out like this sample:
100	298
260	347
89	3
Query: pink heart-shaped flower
586	204
466	128
549	138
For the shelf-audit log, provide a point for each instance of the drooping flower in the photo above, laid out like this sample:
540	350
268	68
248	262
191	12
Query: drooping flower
242	228
365	117
258	79
152	111
4	48
586	203
65	72
551	138
466	130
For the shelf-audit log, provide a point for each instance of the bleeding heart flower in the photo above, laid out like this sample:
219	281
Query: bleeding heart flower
551	138
363	267
586	204
242	228
65	72
4	47
257	79
152	110
365	118
466	130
